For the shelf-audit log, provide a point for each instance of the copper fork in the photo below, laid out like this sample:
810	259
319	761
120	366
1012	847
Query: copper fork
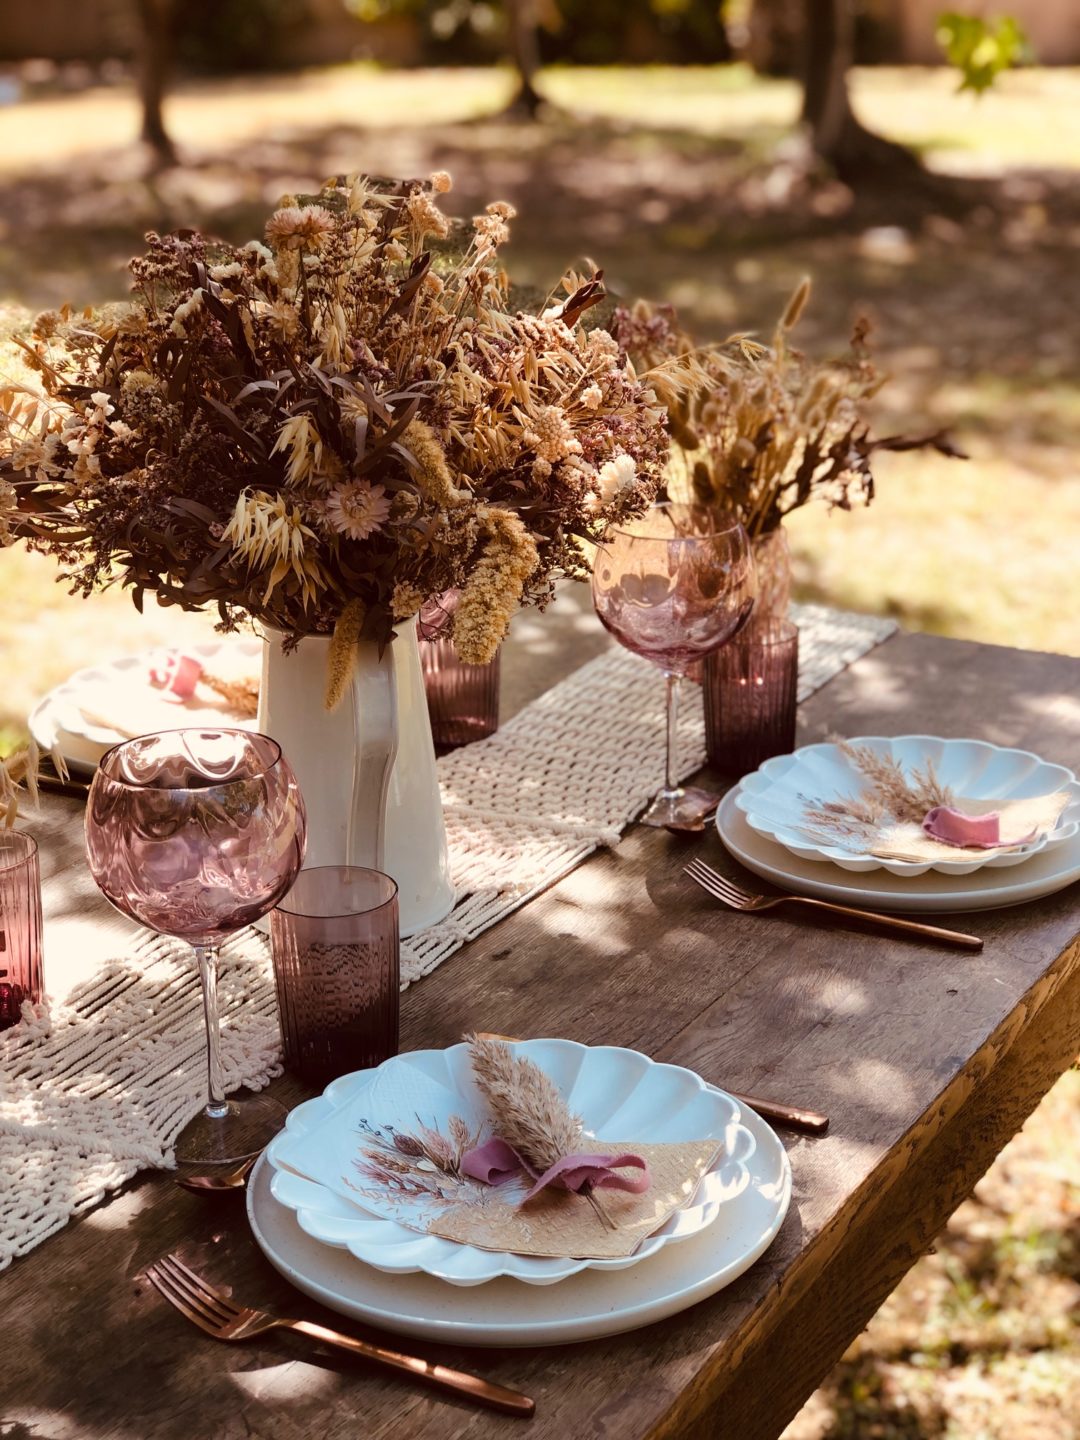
732	895
217	1315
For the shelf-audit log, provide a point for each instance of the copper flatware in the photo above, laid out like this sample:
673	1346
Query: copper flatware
225	1180
792	1117
736	898
217	1315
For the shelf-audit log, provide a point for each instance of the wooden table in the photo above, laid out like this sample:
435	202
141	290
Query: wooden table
928	1061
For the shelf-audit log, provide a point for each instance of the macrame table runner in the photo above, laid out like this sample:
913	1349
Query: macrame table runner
100	1082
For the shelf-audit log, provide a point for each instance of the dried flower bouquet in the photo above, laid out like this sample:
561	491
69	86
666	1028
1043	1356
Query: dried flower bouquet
325	430
760	430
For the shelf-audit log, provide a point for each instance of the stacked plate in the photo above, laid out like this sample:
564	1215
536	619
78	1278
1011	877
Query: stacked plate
763	823
347	1246
104	704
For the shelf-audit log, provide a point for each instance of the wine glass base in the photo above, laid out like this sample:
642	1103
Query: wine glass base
683	809
247	1127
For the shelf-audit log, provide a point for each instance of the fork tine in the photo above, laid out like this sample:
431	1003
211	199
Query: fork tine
735	891
698	872
207	1292
196	1294
716	885
708	885
178	1301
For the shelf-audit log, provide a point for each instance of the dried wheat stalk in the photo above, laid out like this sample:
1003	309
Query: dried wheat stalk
527	1110
241	696
890	790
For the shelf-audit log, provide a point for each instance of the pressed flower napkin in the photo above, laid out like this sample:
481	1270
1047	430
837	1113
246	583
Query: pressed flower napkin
400	1149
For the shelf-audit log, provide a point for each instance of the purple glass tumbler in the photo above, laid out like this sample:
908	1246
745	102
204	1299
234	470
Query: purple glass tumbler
20	925
463	700
751	690
336	964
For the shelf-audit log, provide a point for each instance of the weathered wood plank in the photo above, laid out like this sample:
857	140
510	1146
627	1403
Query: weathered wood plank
926	1060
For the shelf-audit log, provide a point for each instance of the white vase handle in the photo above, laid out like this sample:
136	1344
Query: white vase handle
375	724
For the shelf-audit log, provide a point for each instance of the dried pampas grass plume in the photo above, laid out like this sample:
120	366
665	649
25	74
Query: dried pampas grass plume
341	660
527	1111
19	769
890	791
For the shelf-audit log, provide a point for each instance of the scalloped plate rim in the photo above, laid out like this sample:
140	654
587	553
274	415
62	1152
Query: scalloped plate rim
860	862
509	1265
43	721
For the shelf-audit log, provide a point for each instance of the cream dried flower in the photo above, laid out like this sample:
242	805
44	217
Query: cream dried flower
296	227
441	182
284	320
615	477
184	312
554	436
406	600
425	217
357	509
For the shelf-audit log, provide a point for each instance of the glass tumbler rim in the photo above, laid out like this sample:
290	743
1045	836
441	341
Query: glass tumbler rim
10	860
776	633
625	527
283	907
142	787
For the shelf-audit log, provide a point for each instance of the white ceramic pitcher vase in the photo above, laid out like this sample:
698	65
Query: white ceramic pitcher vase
367	769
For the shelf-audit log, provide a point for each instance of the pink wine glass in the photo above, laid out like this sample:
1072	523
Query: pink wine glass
195	834
673	586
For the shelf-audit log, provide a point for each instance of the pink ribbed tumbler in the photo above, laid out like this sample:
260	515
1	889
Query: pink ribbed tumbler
751	689
20	925
335	947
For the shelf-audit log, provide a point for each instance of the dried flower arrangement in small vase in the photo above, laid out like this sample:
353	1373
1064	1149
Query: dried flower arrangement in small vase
321	432
760	430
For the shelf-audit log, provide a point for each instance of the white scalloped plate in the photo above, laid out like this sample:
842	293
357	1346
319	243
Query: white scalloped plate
586	1307
774	797
618	1093
57	722
1047	873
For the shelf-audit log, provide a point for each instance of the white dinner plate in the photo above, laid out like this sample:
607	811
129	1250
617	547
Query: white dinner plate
621	1094
775	797
1044	874
56	722
584	1307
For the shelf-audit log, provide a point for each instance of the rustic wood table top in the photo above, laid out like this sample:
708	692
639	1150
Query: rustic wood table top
927	1060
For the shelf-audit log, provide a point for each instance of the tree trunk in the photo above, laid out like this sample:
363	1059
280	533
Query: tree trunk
523	27
154	64
828	48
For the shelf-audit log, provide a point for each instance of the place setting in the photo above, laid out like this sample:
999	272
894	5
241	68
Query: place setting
908	823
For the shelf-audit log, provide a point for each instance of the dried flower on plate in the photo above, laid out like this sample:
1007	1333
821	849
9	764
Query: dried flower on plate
527	1111
535	1133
